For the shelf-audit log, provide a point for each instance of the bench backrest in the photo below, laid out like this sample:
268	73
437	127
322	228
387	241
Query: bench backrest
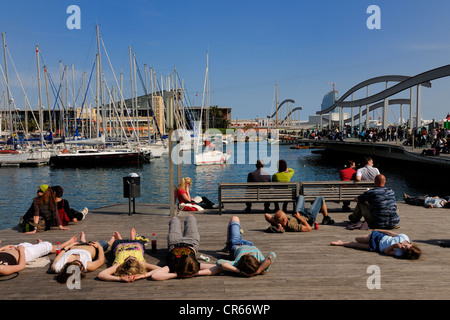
334	190
258	191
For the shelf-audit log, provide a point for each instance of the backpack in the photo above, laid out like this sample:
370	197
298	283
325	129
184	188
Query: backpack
27	224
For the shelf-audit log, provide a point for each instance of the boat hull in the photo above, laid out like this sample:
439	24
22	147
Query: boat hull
98	159
211	157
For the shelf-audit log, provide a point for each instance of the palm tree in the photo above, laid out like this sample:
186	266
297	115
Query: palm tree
215	112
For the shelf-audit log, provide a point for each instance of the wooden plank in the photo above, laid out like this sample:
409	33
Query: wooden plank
306	268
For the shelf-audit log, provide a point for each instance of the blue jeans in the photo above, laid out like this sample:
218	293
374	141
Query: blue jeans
234	237
312	211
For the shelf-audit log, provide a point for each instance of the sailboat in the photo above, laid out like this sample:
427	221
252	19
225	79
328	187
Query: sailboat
22	152
210	154
102	155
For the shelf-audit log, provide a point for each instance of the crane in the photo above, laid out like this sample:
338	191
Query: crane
333	83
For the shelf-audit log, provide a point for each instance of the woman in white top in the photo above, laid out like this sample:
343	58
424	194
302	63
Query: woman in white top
88	256
13	258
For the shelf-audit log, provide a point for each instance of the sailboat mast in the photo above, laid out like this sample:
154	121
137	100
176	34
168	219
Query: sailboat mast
98	82
48	100
276	105
7	87
41	122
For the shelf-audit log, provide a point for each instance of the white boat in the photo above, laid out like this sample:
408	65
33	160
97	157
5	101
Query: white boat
156	150
25	155
211	157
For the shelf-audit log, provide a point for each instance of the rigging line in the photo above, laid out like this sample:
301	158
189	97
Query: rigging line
13	101
117	113
52	85
146	95
76	133
121	93
23	89
189	112
57	96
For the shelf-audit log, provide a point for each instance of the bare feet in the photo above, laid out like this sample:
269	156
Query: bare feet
83	236
133	234
337	243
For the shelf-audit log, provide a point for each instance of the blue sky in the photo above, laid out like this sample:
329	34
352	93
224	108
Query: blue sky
303	46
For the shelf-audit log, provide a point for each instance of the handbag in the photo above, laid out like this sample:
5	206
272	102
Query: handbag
63	215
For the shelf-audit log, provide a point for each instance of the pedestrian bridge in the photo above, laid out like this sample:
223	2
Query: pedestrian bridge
382	99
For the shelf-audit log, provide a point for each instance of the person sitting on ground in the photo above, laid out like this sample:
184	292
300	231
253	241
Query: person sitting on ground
386	242
303	219
368	172
428	202
248	259
88	256
43	214
13	258
258	176
129	263
182	255
185	199
284	174
348	174
64	208
281	222
378	206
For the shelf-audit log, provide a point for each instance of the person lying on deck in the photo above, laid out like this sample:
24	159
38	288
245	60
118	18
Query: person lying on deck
386	242
182	254
248	259
13	258
129	263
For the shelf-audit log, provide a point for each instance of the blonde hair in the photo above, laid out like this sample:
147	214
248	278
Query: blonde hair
130	267
184	182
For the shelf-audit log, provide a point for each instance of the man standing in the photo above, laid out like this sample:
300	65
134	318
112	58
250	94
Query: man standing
258	176
368	172
378	206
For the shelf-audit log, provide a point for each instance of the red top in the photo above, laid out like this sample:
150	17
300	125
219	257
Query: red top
347	174
180	193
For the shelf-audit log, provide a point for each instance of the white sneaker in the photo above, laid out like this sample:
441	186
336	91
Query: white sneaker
85	212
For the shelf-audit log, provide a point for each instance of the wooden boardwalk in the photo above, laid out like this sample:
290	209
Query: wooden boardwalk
306	268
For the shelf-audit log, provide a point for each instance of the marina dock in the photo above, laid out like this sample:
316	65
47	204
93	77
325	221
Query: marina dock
389	150
306	268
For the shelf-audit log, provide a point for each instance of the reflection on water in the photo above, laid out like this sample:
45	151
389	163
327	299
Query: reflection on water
93	188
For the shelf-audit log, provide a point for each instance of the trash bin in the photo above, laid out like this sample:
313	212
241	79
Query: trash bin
131	190
132	186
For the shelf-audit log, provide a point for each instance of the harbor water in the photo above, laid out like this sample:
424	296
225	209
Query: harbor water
97	187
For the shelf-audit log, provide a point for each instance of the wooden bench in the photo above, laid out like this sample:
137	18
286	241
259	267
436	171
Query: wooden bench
334	191
257	192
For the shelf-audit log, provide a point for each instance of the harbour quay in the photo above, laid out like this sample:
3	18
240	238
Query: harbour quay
388	150
307	267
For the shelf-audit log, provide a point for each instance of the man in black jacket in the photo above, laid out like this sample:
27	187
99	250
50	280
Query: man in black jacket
258	176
